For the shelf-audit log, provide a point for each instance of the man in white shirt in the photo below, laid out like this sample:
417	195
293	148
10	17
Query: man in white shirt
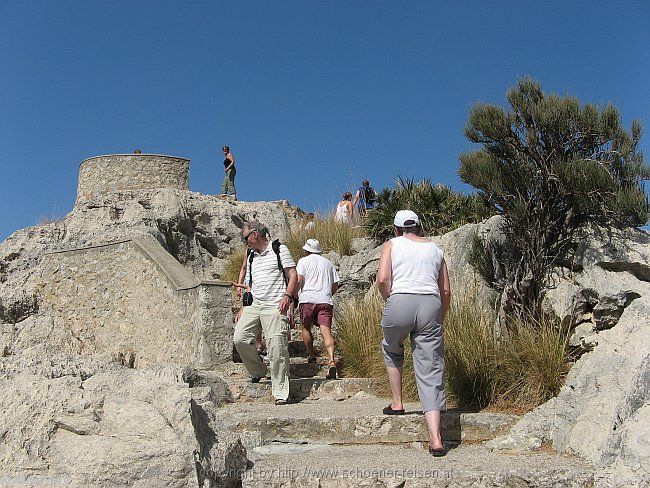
318	281
273	281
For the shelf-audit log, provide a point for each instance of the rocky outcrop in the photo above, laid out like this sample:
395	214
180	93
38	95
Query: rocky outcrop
90	308
601	410
610	269
119	427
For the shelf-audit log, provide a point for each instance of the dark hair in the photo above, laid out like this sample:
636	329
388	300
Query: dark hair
413	229
226	148
347	196
365	183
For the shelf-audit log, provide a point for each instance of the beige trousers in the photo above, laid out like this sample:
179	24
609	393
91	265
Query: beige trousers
275	327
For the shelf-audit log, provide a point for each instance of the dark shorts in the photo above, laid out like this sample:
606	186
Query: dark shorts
315	313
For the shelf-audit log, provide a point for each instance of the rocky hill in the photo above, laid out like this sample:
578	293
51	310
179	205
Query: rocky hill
116	365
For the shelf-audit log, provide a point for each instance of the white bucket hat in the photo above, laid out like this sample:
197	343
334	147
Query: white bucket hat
406	218
312	245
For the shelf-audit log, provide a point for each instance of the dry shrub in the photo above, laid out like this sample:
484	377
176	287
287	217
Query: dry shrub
532	366
469	353
233	263
53	218
481	370
333	236
359	336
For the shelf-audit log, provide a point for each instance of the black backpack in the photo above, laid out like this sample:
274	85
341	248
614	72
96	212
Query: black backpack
368	194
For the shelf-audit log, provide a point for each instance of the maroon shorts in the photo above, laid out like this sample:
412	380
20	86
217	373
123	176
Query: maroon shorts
315	313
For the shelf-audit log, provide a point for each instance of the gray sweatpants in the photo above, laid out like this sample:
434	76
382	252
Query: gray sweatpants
417	316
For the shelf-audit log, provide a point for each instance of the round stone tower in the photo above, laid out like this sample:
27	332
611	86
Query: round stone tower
124	172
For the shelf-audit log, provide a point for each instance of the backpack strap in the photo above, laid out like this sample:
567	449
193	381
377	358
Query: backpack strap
275	245
250	267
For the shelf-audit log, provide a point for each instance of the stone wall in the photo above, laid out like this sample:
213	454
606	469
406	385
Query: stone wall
116	172
133	300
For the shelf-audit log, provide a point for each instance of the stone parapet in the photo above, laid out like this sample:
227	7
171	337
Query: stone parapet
126	172
133	300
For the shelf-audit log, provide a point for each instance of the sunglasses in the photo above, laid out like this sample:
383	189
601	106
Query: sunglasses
245	238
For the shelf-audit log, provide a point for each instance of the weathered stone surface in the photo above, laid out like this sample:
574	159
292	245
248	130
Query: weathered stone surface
303	388
529	433
357	420
399	466
631	467
611	268
358	272
119	172
604	389
132	300
455	244
117	428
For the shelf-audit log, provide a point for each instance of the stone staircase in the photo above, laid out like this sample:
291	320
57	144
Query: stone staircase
333	434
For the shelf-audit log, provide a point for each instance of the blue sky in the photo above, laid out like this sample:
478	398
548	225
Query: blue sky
311	96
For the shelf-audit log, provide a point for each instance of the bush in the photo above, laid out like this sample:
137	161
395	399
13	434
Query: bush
550	164
440	209
481	370
532	366
470	354
332	236
53	218
233	264
359	336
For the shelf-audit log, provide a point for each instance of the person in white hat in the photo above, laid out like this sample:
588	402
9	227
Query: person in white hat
413	280
317	281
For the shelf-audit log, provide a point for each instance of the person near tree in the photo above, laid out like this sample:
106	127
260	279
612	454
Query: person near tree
413	280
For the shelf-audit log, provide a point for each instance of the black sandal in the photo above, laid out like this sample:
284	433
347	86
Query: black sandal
331	373
439	452
390	411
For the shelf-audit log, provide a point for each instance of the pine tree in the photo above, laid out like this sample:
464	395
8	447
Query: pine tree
548	165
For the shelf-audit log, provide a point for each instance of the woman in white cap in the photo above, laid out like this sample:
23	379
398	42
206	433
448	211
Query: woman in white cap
413	280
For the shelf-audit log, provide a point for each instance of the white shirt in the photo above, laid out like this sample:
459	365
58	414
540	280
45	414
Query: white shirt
319	274
268	281
415	267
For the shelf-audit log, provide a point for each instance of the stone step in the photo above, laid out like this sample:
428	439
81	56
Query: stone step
297	348
356	420
466	465
302	388
299	368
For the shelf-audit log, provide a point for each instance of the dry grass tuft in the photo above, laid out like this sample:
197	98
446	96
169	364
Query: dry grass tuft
233	264
481	370
332	236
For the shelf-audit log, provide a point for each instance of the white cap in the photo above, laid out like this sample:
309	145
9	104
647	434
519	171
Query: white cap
406	218
312	245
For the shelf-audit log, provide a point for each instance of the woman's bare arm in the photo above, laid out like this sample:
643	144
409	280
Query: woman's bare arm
445	288
385	273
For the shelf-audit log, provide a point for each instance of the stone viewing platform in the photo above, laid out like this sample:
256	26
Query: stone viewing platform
126	172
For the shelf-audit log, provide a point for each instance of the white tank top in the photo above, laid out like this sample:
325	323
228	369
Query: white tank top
415	267
342	213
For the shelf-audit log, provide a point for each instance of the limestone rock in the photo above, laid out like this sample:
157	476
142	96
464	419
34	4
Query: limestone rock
462	275
600	410
611	268
358	272
122	427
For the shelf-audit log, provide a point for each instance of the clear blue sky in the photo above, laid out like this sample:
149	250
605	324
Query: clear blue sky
312	96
